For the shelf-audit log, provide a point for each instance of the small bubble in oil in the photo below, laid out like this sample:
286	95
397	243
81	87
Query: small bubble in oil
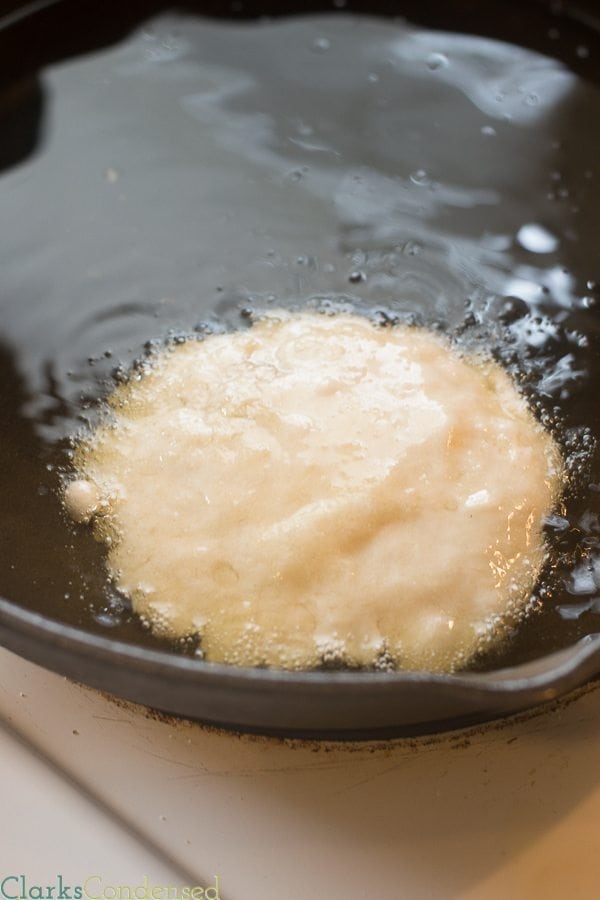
437	61
321	45
419	177
507	309
356	277
106	619
411	248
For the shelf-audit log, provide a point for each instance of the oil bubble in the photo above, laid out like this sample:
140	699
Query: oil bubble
411	248
507	309
420	177
356	277
321	45
437	61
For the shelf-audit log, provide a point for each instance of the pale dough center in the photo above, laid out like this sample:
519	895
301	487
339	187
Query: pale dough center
317	488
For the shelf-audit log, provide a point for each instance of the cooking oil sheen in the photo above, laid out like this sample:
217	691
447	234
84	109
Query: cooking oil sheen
185	172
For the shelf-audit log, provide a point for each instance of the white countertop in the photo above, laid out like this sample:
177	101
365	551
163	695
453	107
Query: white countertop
92	787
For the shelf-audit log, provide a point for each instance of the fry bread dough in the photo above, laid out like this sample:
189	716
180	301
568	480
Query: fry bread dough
317	488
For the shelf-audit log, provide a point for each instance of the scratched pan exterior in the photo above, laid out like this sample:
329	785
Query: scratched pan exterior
341	705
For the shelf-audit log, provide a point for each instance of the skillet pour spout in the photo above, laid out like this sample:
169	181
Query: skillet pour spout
315	705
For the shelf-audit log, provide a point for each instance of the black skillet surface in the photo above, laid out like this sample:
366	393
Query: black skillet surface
163	168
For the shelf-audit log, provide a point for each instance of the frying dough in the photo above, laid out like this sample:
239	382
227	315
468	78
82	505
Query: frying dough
319	489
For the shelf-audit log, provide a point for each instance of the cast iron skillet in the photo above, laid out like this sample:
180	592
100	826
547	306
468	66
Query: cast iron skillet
328	704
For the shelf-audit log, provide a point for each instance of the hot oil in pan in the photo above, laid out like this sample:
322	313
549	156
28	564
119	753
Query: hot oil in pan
201	168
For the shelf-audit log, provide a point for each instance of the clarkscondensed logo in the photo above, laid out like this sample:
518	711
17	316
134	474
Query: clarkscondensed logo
95	887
